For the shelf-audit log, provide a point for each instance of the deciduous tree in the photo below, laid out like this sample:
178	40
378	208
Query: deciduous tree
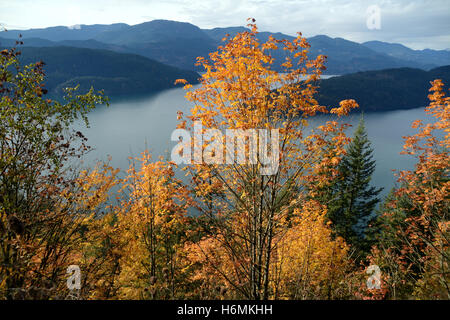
247	210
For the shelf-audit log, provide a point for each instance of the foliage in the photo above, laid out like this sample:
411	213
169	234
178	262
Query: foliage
39	224
150	221
310	263
247	212
353	199
416	218
231	232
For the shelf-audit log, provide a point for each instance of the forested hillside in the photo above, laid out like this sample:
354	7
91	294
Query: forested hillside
116	73
391	89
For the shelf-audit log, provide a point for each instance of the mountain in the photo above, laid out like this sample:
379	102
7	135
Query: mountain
180	43
344	56
427	57
116	73
153	32
81	32
382	90
217	34
90	44
170	42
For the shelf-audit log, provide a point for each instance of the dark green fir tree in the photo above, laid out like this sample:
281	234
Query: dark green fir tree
353	201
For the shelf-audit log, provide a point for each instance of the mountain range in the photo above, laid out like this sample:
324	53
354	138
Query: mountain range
179	43
148	57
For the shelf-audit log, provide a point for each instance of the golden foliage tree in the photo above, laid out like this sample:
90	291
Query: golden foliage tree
151	224
245	210
310	263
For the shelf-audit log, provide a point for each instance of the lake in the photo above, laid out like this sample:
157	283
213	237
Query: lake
131	124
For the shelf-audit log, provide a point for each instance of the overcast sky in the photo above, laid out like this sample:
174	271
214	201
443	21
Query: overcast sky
418	24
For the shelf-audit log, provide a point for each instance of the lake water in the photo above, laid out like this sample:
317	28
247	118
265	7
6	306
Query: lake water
130	125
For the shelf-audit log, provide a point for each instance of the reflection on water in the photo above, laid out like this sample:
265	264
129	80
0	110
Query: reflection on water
130	125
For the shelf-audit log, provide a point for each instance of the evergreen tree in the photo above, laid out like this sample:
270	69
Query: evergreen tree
351	209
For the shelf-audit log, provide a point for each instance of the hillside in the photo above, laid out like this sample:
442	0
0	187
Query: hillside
179	44
383	90
116	73
175	43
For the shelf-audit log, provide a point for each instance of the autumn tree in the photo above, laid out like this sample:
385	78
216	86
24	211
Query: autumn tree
415	238
37	144
246	208
311	263
97	245
151	219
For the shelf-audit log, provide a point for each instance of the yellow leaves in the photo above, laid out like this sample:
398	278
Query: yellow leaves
148	220
307	255
416	124
239	89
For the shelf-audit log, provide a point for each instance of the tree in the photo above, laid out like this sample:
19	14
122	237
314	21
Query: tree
151	223
244	209
353	199
310	263
97	249
38	225
415	221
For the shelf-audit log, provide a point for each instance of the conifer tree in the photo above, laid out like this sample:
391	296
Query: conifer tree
351	209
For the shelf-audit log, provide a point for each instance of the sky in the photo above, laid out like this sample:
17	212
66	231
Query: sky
417	24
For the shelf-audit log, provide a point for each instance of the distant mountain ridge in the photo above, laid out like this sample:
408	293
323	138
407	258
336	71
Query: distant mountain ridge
60	33
427	57
88	44
179	43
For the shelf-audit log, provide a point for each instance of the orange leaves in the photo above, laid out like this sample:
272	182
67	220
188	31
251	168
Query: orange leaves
187	86
211	262
421	204
239	81
242	89
345	106
180	81
95	186
433	159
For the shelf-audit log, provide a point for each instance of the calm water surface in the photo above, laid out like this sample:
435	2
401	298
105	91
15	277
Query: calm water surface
129	126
